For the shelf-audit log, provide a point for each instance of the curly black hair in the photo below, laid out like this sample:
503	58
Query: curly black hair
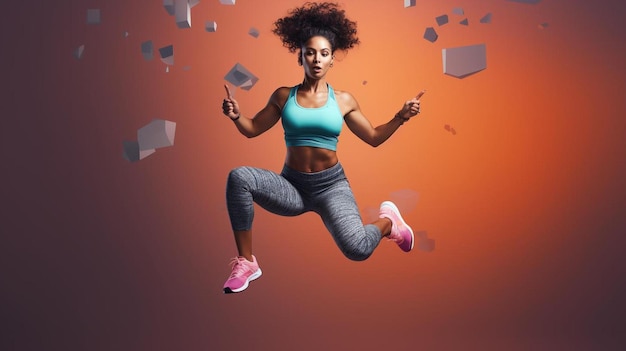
311	19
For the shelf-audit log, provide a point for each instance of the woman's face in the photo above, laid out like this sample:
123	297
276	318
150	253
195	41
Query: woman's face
317	57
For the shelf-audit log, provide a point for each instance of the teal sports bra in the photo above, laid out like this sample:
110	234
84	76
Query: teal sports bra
317	127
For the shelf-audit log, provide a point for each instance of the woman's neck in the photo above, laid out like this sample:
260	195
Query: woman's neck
314	85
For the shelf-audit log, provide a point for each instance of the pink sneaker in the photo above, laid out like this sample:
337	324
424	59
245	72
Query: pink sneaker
243	273
401	233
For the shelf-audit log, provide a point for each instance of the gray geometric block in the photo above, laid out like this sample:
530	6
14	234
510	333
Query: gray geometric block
409	3
169	7
427	245
254	32
210	26
125	34
158	133
463	61
182	11
227	2
132	153
167	54
146	50
430	34
543	25
527	1
239	76
486	18
441	20
78	52
464	22
458	11
93	16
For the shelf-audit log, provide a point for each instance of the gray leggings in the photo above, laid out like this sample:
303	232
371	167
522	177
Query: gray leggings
292	193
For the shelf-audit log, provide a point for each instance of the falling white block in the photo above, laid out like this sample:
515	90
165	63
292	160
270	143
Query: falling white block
486	18
169	7
463	61
158	133
409	3
210	26
146	50
132	153
227	2
78	52
167	54
182	11
254	32
430	34
239	76
93	16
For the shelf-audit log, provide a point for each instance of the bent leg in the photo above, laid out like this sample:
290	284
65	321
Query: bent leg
340	214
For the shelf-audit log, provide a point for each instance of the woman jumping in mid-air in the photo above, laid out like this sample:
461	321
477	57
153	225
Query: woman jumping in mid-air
312	179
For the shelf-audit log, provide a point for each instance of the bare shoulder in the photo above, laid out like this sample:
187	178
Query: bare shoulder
279	96
346	101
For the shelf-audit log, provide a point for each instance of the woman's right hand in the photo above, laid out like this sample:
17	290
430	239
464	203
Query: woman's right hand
230	106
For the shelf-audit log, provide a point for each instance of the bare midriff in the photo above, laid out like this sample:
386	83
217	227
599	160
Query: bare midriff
310	159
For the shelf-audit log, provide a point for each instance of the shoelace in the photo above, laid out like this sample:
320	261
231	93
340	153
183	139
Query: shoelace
237	266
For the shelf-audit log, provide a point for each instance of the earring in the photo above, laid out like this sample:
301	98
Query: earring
331	64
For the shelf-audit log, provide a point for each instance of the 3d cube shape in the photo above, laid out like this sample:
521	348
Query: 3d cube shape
254	32
169	7
78	52
210	26
409	3
239	76
227	2
430	34
93	16
182	11
146	50
464	22
167	54
463	61
441	20
458	11
132	153
486	18
426	244
158	133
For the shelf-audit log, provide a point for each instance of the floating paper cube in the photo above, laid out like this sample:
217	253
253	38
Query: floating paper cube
78	52
527	1
227	2
239	76
158	133
132	153
146	50
441	20
427	245
93	16
486	18
464	22
167	54
543	25
458	11
169	7
409	3
463	61
430	34
210	26
182	11
125	34
254	32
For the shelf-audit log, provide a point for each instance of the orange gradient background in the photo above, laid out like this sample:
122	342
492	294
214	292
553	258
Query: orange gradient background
526	202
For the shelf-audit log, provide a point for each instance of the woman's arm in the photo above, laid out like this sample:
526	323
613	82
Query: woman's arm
361	126
262	121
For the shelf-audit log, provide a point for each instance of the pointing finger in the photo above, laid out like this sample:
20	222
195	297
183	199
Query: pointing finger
419	95
228	94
